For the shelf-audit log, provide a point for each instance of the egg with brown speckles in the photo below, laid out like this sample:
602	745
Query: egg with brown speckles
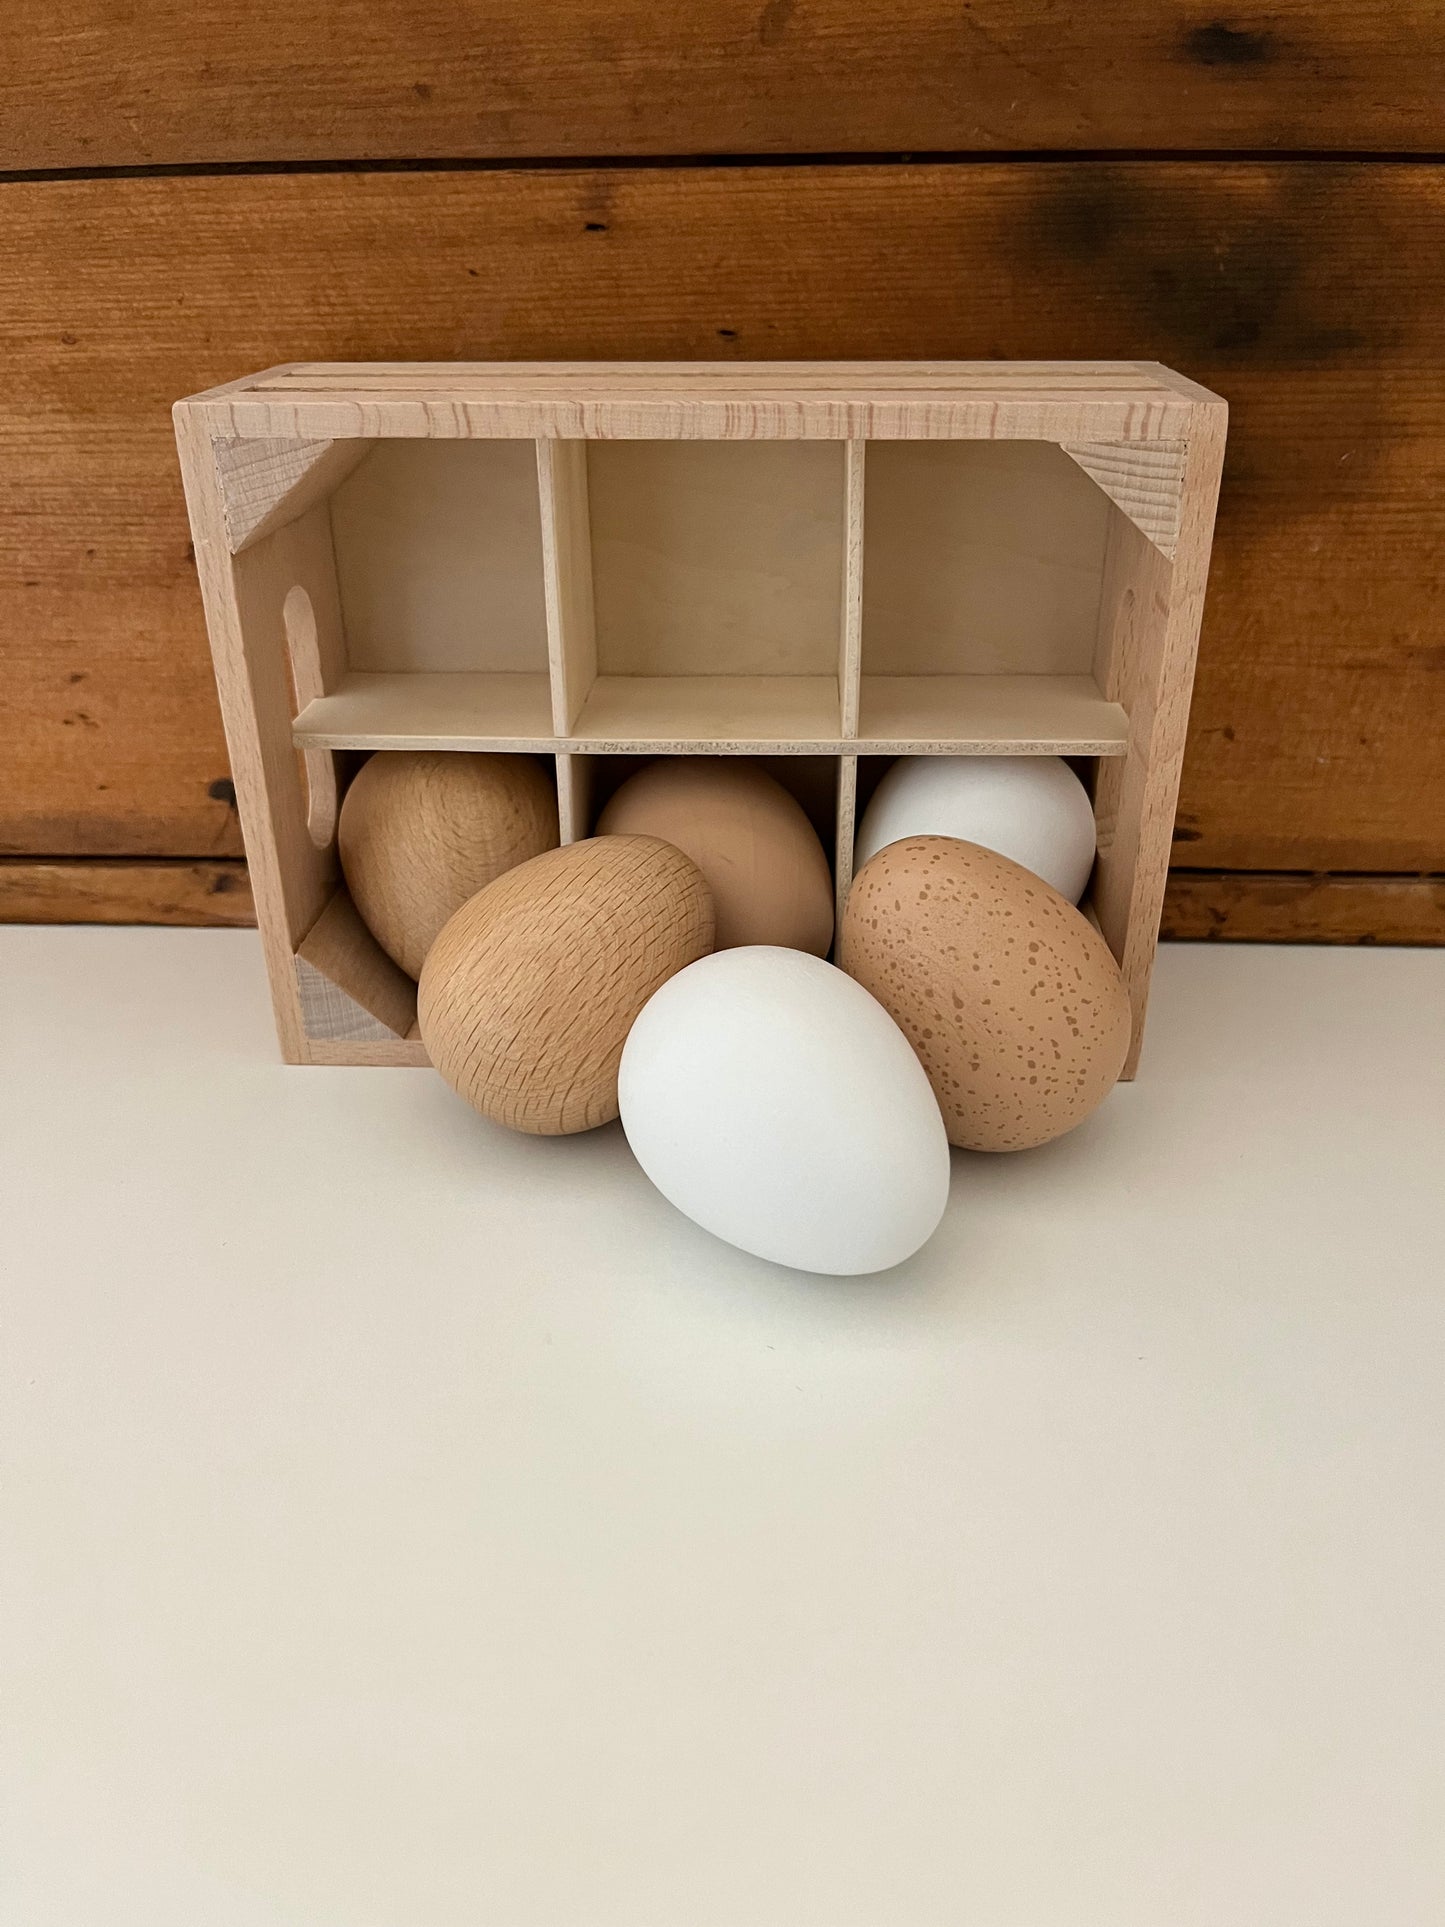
1009	995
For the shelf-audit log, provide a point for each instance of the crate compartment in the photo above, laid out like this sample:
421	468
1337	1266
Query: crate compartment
712	617
438	551
983	567
822	784
813	780
869	771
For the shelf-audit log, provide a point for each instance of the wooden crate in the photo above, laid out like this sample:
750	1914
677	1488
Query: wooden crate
823	563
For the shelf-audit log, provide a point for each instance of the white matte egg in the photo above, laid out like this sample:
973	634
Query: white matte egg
778	1105
1031	809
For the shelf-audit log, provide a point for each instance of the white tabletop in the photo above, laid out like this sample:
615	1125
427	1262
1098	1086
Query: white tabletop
410	1525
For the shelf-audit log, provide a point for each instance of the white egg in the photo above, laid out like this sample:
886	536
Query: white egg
1032	809
778	1105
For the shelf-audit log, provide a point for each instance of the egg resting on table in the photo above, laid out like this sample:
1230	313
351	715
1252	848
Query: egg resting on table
775	1103
528	994
1009	995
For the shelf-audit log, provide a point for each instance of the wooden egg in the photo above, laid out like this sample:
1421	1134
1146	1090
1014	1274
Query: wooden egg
529	992
1009	995
423	830
753	842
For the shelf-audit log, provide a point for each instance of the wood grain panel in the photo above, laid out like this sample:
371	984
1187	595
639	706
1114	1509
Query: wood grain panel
1230	907
89	83
1210	905
125	890
1309	296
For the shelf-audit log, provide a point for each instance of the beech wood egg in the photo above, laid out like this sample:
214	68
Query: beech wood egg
751	839
529	992
1009	995
422	830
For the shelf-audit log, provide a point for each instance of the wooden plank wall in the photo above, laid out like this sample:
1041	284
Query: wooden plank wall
190	192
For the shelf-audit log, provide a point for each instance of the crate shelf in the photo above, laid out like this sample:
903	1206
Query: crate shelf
1029	715
719	715
820	563
722	714
439	709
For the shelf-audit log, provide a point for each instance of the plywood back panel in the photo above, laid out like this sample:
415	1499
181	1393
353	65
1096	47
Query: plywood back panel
980	556
717	558
439	556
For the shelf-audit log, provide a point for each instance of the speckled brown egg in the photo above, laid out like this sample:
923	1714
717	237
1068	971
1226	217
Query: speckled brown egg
1011	998
528	994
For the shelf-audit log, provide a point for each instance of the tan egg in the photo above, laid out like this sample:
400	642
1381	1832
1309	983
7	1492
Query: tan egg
1009	995
753	842
423	830
529	992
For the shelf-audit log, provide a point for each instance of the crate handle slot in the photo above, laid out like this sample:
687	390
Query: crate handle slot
307	685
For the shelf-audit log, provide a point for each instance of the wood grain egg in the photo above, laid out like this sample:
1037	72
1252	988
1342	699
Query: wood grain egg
529	992
421	831
751	839
1009	995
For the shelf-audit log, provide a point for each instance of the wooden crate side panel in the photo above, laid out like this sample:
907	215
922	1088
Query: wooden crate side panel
267	578
246	600
1149	618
